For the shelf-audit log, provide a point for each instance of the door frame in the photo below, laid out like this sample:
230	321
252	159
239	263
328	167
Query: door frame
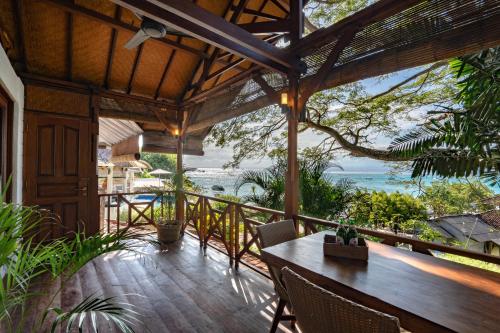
6	141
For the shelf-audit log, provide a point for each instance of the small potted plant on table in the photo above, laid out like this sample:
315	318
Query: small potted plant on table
346	243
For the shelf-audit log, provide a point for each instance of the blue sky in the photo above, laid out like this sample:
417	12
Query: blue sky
216	157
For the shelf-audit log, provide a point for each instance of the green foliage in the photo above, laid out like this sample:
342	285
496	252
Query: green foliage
160	161
465	141
471	262
445	198
95	307
323	13
318	196
356	113
22	260
383	210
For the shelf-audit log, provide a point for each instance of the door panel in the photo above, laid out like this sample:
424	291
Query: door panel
57	170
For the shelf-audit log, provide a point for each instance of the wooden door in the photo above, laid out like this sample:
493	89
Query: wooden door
58	171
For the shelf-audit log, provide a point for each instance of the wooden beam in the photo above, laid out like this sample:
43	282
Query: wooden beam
69	6
18	6
297	20
165	72
261	14
467	39
217	89
373	13
292	172
179	184
190	85
218	74
223	70
137	117
137	60
274	95
268	27
315	82
280	6
209	63
200	23
112	47
170	127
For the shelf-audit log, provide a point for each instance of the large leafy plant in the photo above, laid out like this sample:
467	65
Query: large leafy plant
465	140
25	263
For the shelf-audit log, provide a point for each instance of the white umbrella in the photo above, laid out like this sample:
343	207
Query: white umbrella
160	172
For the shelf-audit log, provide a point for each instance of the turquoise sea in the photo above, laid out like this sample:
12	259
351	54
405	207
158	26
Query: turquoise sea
208	177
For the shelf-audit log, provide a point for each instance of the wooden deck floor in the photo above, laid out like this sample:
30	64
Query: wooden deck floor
182	290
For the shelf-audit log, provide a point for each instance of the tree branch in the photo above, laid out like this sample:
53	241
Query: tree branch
355	150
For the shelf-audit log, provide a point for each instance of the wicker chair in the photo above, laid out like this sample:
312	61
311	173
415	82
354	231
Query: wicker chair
319	310
269	235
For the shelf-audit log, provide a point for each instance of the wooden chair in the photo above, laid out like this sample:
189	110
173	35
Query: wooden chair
320	311
269	235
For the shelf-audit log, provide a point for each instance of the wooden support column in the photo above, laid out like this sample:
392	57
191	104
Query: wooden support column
179	186
292	174
294	103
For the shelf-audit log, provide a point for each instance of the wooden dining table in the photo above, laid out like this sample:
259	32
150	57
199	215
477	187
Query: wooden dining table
426	293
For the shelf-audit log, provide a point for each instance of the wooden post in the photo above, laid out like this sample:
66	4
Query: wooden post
179	185
292	174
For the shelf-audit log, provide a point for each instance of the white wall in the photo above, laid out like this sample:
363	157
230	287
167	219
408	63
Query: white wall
12	84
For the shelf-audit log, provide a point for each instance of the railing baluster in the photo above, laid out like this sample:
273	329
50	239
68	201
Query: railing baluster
231	234
109	212
118	202
237	236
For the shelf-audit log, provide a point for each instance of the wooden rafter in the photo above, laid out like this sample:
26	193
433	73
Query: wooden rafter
68	5
190	84
169	126
217	89
209	63
273	95
325	69
18	6
467	39
165	72
258	13
112	47
137	60
373	13
280	6
268	27
297	20
231	56
202	24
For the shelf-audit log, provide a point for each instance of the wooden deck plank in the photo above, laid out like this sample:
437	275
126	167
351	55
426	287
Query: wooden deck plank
182	289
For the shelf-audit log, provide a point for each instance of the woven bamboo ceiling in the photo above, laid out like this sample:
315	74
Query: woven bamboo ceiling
202	67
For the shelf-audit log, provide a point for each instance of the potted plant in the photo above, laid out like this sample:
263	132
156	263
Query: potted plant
168	230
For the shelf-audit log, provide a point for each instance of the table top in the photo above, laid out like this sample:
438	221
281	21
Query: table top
426	293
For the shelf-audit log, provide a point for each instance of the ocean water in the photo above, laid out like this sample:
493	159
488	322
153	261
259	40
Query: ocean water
208	177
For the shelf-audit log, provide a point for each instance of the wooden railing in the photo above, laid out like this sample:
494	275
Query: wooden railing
119	210
231	228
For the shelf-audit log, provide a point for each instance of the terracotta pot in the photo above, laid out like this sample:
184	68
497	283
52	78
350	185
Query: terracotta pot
169	232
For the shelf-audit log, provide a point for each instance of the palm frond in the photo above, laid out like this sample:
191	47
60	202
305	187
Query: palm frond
117	314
